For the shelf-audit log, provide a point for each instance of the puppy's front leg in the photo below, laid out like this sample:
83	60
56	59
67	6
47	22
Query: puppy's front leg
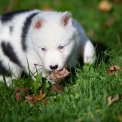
89	53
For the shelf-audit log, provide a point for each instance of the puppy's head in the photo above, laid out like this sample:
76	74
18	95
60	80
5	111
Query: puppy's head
53	37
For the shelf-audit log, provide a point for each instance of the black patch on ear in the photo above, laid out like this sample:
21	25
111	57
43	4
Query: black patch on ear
9	52
4	71
8	16
25	29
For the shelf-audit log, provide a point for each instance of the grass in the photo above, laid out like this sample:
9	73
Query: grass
86	93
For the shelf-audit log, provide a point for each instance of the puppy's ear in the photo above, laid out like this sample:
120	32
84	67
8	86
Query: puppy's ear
66	19
37	23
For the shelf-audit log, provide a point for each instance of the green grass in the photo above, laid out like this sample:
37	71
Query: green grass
86	93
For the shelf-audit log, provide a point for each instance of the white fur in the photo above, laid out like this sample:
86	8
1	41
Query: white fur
52	33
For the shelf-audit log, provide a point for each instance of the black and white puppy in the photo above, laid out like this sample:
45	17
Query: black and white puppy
47	38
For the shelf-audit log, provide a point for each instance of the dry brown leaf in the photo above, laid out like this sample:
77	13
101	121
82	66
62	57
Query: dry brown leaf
117	1
35	98
120	118
57	76
57	88
111	101
105	5
20	90
47	7
25	92
41	95
18	96
110	22
113	69
28	98
31	99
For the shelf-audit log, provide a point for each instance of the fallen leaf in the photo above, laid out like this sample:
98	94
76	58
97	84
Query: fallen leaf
113	69
31	99
47	7
28	98
24	90
18	96
41	94
20	92
117	1
58	76
57	88
35	98
109	23
105	6
120	118
111	101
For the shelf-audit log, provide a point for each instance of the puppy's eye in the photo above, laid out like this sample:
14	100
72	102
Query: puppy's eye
43	49
61	47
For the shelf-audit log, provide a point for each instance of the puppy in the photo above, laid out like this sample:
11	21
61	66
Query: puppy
49	39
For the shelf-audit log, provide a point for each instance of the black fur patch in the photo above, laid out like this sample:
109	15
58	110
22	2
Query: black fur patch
11	29
9	52
25	29
8	16
4	71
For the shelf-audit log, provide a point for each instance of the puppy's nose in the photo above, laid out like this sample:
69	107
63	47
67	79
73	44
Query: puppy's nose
54	67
